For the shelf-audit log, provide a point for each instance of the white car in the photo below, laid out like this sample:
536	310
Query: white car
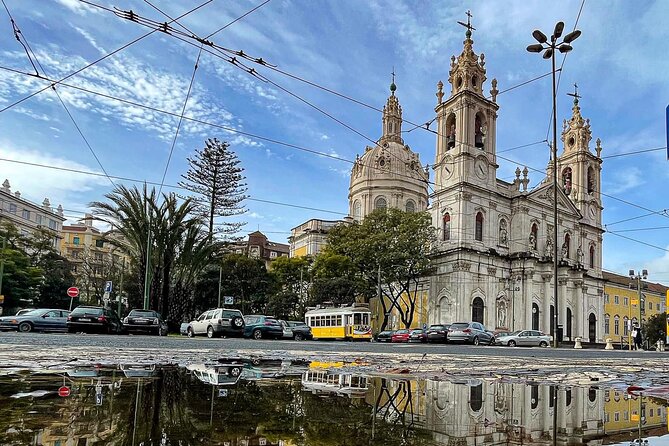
217	322
525	338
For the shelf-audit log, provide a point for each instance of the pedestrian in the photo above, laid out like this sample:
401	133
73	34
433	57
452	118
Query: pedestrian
637	338
633	340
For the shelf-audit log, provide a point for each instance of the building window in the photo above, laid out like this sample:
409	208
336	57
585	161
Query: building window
625	301
569	318
99	243
477	310
447	227
380	203
38	219
616	324
53	224
566	180
591	180
606	298
607	321
478	234
616	416
272	255
476	397
75	240
25	214
98	257
12	208
650	305
592	256
357	210
411	206
616	300
626	415
625	325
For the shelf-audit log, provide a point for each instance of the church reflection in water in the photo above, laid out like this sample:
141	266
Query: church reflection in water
239	404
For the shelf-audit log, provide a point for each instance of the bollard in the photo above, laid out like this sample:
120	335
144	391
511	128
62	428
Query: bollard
609	344
577	342
660	346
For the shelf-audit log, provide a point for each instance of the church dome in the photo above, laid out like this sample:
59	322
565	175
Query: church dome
390	173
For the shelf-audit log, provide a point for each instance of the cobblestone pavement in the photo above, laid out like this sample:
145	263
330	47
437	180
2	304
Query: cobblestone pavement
617	369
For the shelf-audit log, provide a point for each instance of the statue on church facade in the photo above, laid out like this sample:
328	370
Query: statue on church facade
580	255
503	234
548	252
533	241
565	250
501	313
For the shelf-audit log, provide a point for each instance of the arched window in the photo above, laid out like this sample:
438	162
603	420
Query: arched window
478	234
357	210
447	227
567	397
477	310
616	325
479	135
625	326
607	322
534	236
592	394
380	203
450	131
569	317
534	393
591	180
410	206
476	397
535	316
592	256
566	246
566	180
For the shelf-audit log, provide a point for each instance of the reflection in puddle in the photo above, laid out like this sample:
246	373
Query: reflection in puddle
238	402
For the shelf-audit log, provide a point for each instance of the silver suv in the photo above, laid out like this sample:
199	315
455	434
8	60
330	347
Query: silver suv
470	332
217	322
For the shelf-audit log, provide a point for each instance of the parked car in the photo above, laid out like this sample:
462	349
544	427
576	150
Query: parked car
400	336
217	322
91	319
258	327
470	332
41	319
437	333
145	321
287	331
301	330
385	336
524	338
418	335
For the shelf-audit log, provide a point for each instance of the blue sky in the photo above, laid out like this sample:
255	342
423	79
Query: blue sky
350	46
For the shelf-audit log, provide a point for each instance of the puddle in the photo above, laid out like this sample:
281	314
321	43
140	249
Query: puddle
236	402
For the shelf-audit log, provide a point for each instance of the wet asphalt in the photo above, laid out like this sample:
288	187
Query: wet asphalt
61	341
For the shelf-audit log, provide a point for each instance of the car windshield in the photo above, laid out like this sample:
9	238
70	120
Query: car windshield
32	313
459	326
515	333
402	332
417	331
436	327
143	313
87	310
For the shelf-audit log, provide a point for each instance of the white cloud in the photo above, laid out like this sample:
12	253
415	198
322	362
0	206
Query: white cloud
254	215
625	179
61	187
77	6
324	137
90	39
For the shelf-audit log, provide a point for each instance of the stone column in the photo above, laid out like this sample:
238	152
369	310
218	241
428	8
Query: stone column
548	295
562	300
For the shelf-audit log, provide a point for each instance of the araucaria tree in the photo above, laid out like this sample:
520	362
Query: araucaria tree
216	178
390	250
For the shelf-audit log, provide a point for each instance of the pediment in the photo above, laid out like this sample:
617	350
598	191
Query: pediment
544	194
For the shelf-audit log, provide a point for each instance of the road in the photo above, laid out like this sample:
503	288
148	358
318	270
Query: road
62	341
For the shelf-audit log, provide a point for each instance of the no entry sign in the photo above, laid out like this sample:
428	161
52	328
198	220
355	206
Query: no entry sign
73	291
64	391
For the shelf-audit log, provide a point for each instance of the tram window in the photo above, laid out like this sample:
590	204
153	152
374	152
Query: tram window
338	321
327	321
357	318
365	319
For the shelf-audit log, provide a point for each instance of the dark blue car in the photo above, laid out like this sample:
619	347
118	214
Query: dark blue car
259	327
41	319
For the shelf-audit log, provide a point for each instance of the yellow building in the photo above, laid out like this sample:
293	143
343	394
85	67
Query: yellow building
94	260
621	413
621	304
310	237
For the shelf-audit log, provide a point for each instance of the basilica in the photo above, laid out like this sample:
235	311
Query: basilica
494	255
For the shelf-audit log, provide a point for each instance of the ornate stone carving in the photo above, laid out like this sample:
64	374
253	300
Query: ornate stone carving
503	233
501	312
492	271
462	265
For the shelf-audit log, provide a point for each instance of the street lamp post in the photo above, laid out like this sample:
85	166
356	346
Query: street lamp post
638	275
550	48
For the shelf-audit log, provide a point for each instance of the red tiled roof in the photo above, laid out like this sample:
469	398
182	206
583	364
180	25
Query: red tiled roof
619	279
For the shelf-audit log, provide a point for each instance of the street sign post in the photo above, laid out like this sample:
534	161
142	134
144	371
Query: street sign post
108	286
229	300
63	391
72	292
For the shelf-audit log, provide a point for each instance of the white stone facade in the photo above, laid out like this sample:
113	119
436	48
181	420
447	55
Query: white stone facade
494	254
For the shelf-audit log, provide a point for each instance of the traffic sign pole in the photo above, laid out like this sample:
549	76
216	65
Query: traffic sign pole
72	292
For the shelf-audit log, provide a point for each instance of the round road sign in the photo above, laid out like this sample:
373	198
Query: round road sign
73	291
64	391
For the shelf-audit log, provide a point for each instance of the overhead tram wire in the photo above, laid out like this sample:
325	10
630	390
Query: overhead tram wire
121	48
638	241
663	211
20	37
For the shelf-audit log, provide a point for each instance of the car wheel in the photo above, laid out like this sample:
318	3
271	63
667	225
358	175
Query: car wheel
235	371
492	341
511	343
25	327
237	322
299	337
257	334
210	332
543	344
190	332
475	341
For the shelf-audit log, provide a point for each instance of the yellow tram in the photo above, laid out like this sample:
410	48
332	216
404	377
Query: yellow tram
349	323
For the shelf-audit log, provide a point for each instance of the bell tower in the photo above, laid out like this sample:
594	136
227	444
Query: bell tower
466	122
579	170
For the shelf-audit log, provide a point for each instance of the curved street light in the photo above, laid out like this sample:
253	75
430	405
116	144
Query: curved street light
549	48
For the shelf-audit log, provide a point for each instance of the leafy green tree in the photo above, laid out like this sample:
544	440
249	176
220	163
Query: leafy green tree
335	280
393	246
216	177
57	278
292	275
655	328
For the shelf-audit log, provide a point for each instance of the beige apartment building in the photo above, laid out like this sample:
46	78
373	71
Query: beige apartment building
28	216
